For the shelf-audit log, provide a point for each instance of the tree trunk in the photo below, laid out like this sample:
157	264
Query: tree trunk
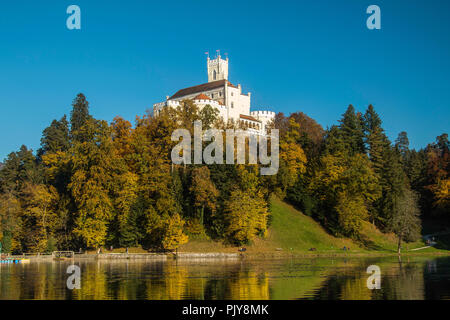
201	215
399	244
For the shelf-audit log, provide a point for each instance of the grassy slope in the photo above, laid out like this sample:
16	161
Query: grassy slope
292	231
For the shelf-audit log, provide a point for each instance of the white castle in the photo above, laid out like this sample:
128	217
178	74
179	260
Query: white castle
221	94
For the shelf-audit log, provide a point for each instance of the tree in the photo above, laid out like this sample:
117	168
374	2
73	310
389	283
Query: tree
405	221
19	168
93	164
203	191
78	117
402	144
352	131
375	139
245	216
173	235
346	186
122	131
438	167
311	133
392	181
352	211
208	116
39	217
55	137
125	196
10	222
292	158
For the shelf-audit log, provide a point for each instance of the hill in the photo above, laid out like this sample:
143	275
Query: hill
293	232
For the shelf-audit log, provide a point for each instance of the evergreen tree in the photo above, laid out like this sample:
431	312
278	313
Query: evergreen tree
375	139
204	193
352	131
78	117
19	168
393	181
402	144
55	137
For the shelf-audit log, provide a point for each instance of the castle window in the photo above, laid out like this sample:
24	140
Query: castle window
215	75
232	104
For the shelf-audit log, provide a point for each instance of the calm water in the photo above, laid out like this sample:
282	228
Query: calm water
320	278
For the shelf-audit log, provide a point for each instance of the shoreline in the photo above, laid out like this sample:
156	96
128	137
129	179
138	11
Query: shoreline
160	257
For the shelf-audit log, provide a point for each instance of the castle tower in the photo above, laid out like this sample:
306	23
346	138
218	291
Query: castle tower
217	69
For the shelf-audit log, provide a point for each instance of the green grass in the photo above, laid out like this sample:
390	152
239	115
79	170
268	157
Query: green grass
293	232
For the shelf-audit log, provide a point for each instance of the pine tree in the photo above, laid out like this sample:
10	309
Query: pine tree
78	117
352	131
393	181
402	145
55	137
19	168
375	139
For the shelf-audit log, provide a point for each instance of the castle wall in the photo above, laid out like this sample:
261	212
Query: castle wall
266	117
237	103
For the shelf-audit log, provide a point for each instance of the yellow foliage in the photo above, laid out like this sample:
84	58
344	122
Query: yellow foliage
245	215
441	193
173	233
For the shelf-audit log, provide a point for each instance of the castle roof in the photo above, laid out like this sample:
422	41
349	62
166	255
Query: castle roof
202	96
201	88
243	116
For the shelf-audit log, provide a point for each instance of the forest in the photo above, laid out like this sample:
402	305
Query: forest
93	183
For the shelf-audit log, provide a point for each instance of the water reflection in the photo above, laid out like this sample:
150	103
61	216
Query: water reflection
320	278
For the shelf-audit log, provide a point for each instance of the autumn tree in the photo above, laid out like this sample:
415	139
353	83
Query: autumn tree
93	165
10	222
203	191
292	158
39	217
437	182
173	235
208	116
245	216
346	186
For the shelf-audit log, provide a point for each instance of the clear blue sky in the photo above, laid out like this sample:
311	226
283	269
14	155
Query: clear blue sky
311	56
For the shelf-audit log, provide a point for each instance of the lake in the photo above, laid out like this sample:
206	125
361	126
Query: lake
417	277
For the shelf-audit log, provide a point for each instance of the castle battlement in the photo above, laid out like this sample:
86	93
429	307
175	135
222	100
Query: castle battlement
270	114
